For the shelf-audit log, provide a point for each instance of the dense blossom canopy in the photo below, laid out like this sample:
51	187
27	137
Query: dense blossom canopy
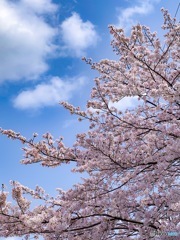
131	157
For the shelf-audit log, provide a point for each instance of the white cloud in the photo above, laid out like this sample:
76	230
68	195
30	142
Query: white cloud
127	17
77	35
48	94
26	39
40	6
126	103
10	238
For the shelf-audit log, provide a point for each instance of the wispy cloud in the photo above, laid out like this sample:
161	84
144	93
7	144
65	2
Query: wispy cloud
126	103
77	35
26	39
39	6
127	17
11	238
48	94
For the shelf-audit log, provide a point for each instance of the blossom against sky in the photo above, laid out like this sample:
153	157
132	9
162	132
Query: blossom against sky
42	43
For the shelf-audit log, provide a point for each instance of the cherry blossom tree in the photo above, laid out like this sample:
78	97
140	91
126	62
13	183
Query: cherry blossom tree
131	157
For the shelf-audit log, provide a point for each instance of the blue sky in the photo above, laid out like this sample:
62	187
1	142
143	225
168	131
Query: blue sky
42	43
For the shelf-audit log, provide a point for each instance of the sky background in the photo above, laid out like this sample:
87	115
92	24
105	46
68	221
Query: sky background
42	43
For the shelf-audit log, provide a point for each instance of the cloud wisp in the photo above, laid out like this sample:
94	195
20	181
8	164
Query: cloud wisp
26	39
39	6
48	94
77	35
127	17
126	103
